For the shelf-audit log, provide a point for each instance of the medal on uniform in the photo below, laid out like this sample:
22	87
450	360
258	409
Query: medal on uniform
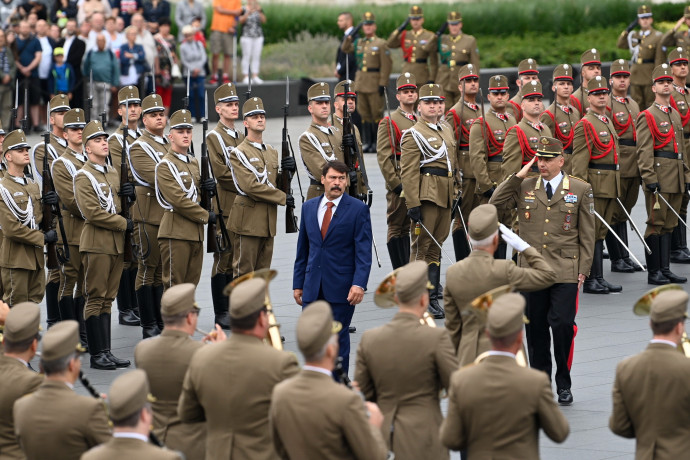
566	222
570	198
527	215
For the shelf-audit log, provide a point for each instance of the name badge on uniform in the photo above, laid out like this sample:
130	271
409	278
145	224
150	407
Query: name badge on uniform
567	221
103	184
533	140
184	173
663	124
325	144
374	48
254	160
18	194
570	198
499	132
423	42
603	133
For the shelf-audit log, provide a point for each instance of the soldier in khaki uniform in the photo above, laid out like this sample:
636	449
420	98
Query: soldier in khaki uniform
428	178
129	102
460	118
17	378
254	369
555	214
254	212
650	395
129	402
479	273
220	141
596	160
408	391
523	395
21	256
321	142
561	117
590	67
144	155
302	408
97	191
419	59
660	156
623	111
674	37
647	52
527	72
373	70
388	150
55	422
178	186
165	359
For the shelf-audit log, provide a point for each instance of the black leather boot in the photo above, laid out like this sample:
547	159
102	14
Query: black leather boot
592	284
366	138
99	360
52	308
404	244
654	275
434	308
600	268
132	273
665	252
626	255
679	244
460	244
157	296
617	252
126	314
149	327
66	307
394	252
105	328
373	134
221	307
79	303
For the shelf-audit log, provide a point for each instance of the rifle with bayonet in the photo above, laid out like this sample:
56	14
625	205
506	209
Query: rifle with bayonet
104	113
89	101
124	178
248	94
185	100
353	154
285	176
13	116
25	121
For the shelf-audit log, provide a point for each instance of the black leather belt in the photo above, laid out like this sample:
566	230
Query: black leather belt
667	154
417	61
457	63
315	182
465	148
686	135
608	167
647	61
496	158
435	171
568	151
628	142
369	69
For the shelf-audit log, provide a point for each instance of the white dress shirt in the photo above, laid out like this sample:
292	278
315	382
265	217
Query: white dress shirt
323	207
555	182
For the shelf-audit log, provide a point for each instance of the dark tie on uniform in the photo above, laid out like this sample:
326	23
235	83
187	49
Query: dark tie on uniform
327	219
549	192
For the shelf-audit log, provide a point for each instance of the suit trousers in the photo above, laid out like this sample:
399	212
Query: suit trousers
437	220
250	253
396	216
20	285
181	261
554	308
343	313
630	191
660	221
101	281
71	275
149	272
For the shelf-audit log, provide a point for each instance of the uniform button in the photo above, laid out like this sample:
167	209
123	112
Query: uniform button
547	221
548	208
546	233
544	246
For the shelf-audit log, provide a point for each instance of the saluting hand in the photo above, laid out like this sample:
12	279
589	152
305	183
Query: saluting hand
355	295
522	174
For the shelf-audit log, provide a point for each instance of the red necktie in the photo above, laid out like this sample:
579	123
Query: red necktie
327	219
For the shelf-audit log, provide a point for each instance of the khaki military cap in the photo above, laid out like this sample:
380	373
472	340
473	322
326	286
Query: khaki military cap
59	103
454	17
528	67
620	67
644	11
22	322
416	12
178	299
315	326
483	222
677	55
662	72
405	80
75	118
92	129
61	341
128	95
248	297
152	103
181	119
563	72
498	83
319	92
253	106
669	305
411	281
531	89
15	140
339	90
597	85
225	93
128	394
590	57
468	71
506	315
368	18
548	147
686	13
430	92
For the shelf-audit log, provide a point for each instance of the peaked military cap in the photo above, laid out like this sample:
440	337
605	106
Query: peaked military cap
152	103
128	95
247	297
563	72
59	103
225	93
620	67
454	17
548	147
368	18
416	12
644	11
15	140
405	80
315	327
178	299
531	89
662	72
74	118
339	90
128	394
468	71
669	305
528	67
22	322
181	119
61	340
319	92
597	85
411	281
431	92
590	57
483	222
92	129
253	106
506	315
677	55
498	83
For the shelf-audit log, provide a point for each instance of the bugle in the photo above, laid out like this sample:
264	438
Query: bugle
644	306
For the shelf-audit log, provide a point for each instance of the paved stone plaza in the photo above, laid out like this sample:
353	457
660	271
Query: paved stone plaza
608	330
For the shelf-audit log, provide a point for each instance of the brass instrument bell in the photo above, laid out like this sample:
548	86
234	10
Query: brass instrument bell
644	306
384	297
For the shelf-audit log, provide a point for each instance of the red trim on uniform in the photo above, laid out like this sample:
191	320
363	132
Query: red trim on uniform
529	72
576	103
407	52
464	129
563	77
397	134
469	76
663	77
660	139
406	85
592	139
591	63
498	88
498	146
679	59
620	72
572	344
518	110
567	140
350	93
683	118
527	151
526	96
623	128
598	90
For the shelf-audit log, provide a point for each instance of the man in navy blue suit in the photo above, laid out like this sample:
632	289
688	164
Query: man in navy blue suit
334	251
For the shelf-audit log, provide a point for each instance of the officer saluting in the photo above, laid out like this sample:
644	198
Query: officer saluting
419	60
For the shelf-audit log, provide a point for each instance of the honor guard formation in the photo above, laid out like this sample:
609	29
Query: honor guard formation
534	198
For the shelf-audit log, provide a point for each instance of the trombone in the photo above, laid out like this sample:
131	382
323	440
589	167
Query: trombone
384	297
644	305
273	335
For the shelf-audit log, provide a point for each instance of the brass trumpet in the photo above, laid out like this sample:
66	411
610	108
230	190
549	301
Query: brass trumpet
384	297
644	305
481	306
273	335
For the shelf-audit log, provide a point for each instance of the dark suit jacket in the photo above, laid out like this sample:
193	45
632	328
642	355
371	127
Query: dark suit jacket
341	57
339	261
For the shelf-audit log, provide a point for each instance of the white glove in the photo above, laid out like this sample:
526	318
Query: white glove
512	239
